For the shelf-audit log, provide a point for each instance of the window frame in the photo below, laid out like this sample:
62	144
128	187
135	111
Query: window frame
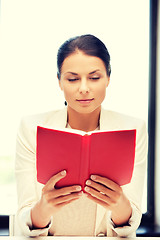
149	216
147	226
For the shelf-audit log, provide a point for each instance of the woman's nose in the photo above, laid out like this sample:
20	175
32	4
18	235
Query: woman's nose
83	86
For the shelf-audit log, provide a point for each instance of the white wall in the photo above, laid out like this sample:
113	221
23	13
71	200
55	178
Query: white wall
157	175
31	32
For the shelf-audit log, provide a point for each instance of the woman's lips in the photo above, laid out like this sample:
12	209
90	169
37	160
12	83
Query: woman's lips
85	101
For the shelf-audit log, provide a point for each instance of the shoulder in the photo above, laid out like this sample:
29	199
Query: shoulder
46	119
111	120
28	124
116	120
26	135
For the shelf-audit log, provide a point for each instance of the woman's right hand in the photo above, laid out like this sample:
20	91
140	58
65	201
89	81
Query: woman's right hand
52	200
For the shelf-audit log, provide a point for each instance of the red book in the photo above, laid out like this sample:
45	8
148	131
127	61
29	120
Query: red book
107	153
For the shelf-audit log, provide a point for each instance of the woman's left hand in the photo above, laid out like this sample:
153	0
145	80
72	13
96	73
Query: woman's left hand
110	195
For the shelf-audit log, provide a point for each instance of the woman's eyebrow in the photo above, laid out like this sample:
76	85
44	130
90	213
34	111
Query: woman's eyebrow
94	71
72	73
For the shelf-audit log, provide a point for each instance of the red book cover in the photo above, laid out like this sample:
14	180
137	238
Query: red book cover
107	153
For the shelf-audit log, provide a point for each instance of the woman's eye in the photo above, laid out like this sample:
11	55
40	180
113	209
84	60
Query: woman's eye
72	79
95	78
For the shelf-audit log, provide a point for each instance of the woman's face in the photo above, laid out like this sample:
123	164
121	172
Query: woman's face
84	81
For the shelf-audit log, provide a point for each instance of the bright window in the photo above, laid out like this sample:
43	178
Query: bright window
32	31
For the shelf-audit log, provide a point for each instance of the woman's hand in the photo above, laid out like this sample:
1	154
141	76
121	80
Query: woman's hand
52	200
110	195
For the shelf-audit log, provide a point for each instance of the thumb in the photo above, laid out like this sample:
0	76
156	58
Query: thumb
53	180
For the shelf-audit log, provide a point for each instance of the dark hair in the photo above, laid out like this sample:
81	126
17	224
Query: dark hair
88	44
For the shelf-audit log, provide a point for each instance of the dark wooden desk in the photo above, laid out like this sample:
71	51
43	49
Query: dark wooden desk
76	238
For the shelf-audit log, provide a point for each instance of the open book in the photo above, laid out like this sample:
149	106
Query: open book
107	153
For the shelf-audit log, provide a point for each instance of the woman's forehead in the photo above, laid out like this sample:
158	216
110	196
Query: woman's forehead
79	61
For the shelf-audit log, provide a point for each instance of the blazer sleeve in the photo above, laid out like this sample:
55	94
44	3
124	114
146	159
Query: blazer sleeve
134	190
25	171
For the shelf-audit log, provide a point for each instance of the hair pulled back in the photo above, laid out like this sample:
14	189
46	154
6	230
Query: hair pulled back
89	45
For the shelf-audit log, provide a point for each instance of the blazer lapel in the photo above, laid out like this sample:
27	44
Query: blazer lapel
58	119
107	121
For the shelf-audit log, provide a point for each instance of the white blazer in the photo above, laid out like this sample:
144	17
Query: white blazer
29	189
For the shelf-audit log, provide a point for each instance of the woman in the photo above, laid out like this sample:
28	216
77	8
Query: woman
106	209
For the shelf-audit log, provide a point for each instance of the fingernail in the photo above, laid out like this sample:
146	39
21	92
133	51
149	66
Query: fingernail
88	182
87	189
78	188
93	177
63	173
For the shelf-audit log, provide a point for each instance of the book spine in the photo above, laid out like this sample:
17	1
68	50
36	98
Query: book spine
84	166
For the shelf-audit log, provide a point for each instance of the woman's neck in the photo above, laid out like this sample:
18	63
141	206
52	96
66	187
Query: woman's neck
83	121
